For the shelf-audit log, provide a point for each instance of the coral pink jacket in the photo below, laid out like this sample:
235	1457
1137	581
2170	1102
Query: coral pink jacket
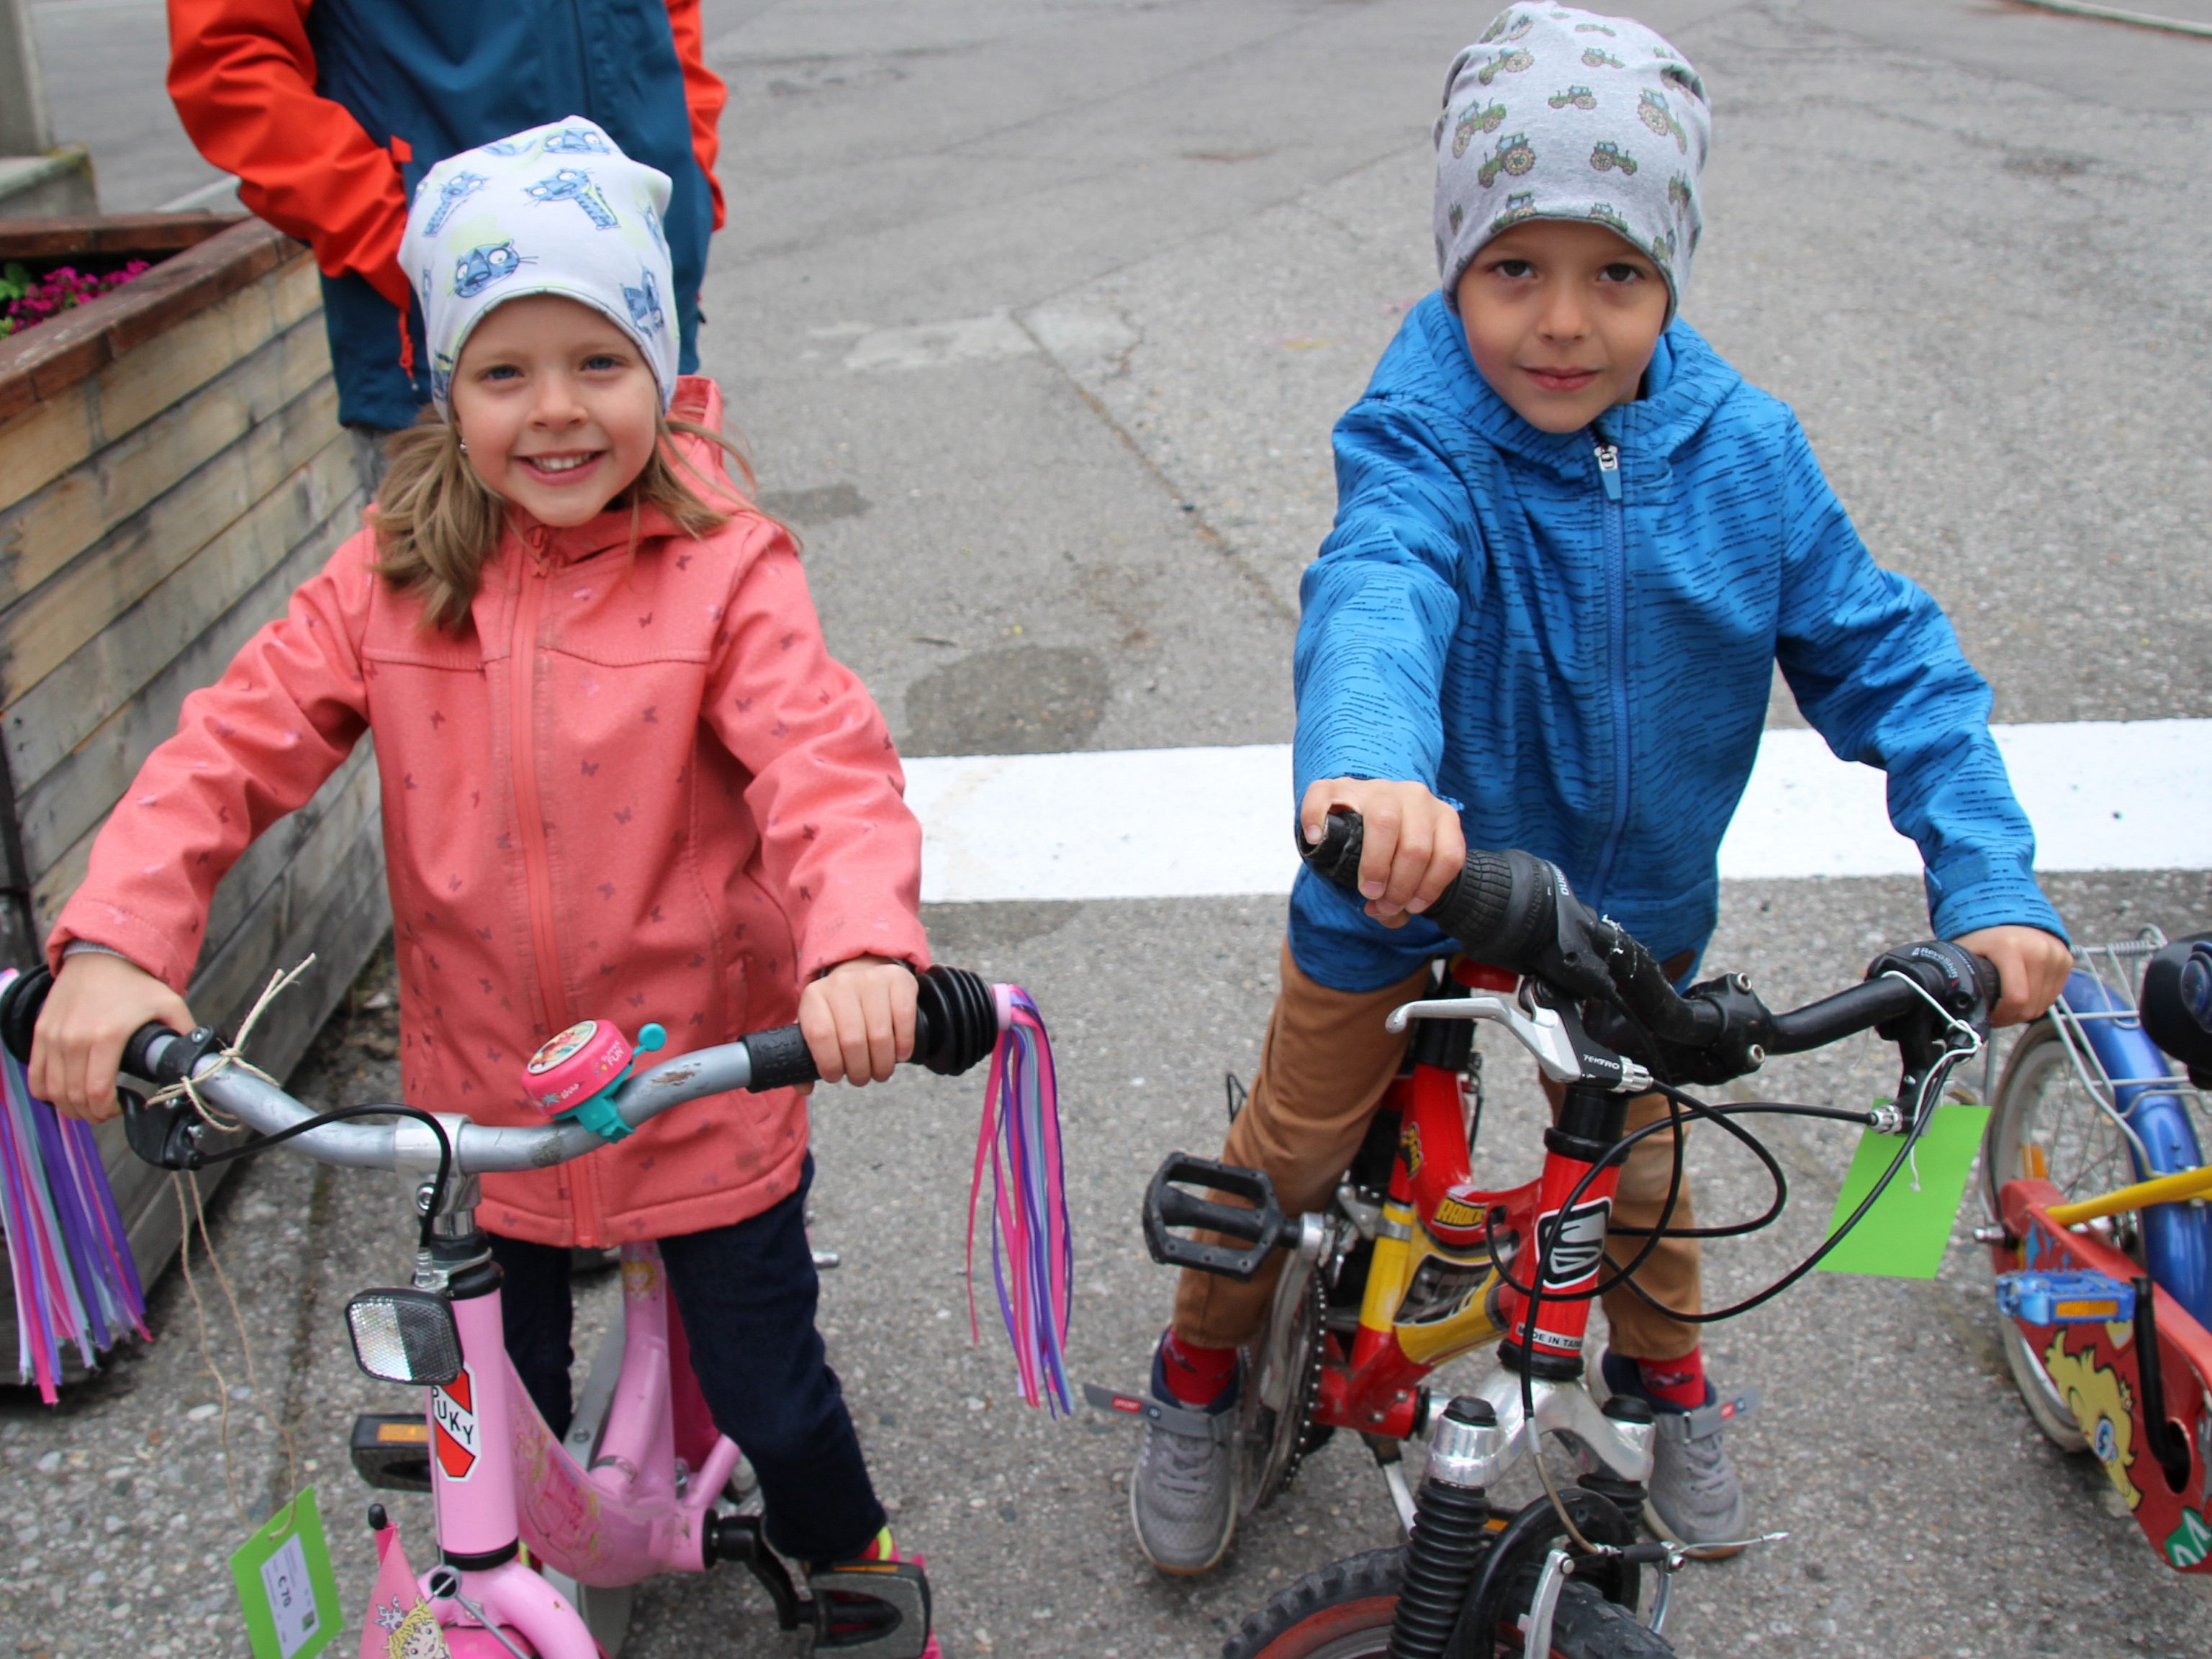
638	787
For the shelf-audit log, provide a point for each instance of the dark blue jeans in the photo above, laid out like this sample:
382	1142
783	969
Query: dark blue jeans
746	1294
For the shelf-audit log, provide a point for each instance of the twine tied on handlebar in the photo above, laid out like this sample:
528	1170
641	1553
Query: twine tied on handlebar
187	1086
1032	1255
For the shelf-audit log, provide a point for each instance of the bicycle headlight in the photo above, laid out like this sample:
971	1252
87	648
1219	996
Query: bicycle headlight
404	1336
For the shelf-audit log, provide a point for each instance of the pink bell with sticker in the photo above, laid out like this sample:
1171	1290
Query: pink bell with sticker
577	1065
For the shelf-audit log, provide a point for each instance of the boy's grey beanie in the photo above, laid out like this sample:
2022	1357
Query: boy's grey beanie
1559	113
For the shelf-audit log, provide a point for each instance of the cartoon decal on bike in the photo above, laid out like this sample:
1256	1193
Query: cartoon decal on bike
2102	1246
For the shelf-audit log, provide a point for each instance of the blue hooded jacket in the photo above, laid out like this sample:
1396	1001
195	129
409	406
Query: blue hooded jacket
1581	661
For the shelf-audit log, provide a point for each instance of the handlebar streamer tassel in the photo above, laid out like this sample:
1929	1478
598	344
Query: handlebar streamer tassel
1032	1255
68	1257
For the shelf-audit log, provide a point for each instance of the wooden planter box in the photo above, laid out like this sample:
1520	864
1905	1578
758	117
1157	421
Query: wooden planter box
171	467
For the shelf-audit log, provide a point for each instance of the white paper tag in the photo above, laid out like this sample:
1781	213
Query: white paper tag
291	1595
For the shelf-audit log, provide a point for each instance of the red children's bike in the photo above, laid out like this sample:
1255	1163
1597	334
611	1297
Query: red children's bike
1414	1262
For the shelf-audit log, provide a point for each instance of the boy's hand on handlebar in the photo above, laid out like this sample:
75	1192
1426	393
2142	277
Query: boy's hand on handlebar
858	1019
97	1002
2032	966
1412	849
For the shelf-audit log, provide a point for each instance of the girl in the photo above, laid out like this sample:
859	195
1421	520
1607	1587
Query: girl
622	776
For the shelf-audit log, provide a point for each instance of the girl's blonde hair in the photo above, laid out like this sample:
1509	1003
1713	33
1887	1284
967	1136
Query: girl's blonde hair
437	523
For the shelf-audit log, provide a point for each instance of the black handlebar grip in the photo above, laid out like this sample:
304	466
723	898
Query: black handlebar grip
156	1054
1476	908
21	1003
1496	906
780	1059
1992	983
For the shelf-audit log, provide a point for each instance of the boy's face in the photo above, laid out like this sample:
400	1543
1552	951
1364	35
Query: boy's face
1561	318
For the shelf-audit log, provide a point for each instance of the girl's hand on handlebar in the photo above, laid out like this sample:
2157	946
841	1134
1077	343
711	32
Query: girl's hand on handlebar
1412	849
2032	966
858	1019
97	1002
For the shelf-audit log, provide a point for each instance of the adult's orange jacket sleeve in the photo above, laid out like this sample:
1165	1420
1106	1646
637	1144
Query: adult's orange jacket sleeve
704	93
242	76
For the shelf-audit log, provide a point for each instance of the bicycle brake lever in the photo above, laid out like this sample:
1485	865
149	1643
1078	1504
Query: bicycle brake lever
1553	1036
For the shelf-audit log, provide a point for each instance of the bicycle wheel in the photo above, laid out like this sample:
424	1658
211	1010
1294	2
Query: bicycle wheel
1343	1610
2047	1125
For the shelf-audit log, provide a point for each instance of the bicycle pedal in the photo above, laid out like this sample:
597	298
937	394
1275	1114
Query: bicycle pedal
391	1450
1260	1224
2070	1297
870	1609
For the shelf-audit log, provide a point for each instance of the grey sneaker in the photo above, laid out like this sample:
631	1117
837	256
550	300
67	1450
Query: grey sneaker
1182	1493
1694	1497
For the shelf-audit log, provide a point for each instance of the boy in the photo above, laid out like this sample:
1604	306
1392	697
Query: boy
1571	543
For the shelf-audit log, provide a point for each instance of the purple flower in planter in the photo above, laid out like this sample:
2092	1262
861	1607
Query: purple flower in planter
32	300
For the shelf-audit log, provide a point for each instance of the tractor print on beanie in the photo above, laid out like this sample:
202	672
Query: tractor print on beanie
1651	109
1597	58
1514	155
1607	153
1520	205
1487	118
1507	26
1580	97
1506	63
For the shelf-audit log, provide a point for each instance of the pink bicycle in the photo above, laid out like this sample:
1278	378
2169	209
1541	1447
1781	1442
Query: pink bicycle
637	1487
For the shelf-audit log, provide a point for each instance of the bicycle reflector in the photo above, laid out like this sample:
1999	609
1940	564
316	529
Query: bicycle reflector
404	1336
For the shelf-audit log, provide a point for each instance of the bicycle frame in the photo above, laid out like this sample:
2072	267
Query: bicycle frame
498	1474
2151	1426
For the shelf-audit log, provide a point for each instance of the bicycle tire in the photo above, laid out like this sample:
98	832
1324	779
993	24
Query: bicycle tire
1344	1611
2038	1061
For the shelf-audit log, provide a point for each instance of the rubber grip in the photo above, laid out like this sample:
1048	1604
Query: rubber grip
1476	907
141	1058
780	1059
21	1003
1992	983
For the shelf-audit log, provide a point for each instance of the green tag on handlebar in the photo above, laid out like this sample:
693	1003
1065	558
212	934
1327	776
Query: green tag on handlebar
1905	1235
285	1585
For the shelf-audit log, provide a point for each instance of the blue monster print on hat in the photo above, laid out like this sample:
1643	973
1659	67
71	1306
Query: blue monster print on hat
480	267
574	184
494	224
645	303
451	194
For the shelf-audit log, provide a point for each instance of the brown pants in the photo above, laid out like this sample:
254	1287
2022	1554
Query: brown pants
1323	1069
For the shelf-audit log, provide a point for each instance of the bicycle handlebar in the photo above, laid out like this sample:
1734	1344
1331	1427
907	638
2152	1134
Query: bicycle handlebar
956	1023
1514	911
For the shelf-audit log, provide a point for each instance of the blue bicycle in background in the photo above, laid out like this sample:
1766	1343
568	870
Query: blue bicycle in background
2101	1230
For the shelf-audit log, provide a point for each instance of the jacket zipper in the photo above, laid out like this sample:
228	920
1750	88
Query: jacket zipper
1608	456
537	862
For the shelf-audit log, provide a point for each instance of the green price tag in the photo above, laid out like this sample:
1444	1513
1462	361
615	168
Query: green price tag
285	1585
1905	1235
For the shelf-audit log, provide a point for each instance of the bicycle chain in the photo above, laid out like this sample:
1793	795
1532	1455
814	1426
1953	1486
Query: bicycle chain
1310	1391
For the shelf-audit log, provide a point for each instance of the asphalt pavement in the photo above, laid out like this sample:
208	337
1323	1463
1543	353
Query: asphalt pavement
1036	317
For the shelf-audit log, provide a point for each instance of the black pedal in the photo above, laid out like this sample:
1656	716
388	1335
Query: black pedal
870	1610
1261	1227
392	1451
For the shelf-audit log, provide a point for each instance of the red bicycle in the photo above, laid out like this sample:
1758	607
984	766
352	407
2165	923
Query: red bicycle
1414	1262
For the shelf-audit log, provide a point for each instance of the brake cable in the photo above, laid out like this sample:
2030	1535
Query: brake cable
342	1114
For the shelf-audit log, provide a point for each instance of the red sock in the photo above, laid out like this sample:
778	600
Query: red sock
1677	1382
1195	1375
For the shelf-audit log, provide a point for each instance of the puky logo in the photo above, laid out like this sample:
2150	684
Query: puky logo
454	1425
1569	1246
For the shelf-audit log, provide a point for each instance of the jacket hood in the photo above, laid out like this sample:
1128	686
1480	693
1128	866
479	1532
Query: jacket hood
699	401
1687	381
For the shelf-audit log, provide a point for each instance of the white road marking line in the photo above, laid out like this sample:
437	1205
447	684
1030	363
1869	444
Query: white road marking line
1198	823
